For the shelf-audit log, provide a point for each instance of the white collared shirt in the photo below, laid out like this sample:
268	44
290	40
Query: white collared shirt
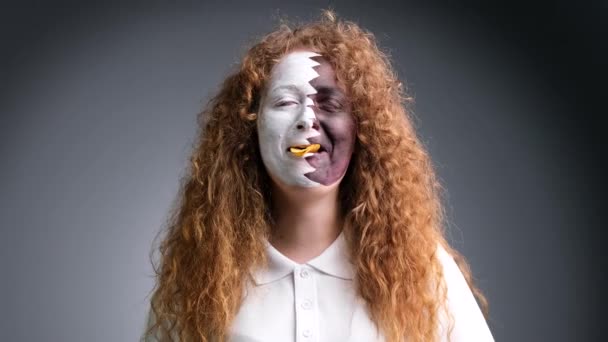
316	302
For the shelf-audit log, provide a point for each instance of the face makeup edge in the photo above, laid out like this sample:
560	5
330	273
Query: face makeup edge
303	105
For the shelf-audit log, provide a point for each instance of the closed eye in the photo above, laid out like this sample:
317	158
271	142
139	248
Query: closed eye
331	106
286	103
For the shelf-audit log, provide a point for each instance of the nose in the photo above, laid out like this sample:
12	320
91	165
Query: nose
307	123
307	120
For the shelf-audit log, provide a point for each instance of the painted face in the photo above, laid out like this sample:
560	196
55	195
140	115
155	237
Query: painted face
304	109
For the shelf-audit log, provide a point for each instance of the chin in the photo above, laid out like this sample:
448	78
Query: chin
303	182
293	182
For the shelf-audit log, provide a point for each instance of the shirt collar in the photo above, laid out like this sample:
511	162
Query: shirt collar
332	261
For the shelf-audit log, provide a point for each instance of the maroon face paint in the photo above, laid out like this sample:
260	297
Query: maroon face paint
336	126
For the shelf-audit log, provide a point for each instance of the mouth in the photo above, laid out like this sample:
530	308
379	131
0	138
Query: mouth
301	150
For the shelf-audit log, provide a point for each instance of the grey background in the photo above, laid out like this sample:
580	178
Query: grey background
98	107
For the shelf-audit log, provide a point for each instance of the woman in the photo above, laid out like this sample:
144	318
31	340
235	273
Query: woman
311	211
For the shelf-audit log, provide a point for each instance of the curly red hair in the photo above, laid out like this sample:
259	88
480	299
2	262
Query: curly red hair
390	198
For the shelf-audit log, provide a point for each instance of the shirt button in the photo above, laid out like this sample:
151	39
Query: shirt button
304	273
307	333
307	304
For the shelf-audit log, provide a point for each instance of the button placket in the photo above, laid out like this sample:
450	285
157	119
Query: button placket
305	297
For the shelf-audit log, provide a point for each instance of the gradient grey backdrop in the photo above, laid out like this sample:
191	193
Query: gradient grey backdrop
98	114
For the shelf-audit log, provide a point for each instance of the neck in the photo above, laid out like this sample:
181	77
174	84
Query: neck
306	222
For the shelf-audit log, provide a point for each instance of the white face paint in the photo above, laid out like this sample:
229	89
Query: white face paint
285	118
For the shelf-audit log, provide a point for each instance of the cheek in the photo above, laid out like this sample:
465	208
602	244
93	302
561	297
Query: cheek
273	123
341	132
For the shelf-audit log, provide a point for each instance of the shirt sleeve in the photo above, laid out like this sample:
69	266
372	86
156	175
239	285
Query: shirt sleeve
469	322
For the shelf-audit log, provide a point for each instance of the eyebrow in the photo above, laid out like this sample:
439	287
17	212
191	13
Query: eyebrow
290	87
330	91
322	90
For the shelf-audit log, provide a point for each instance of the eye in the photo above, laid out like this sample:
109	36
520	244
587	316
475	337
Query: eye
332	106
286	103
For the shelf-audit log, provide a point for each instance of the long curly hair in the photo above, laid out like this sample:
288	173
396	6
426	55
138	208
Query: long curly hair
390	198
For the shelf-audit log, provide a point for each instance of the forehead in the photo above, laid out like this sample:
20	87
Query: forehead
295	68
302	69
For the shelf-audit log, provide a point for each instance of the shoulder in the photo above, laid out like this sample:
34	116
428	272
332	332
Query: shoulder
469	322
